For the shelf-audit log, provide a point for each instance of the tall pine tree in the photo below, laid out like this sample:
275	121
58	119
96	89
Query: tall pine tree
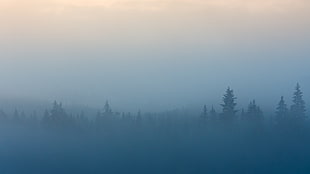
229	104
298	109
281	112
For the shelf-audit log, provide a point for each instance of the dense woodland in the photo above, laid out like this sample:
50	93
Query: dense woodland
57	118
244	141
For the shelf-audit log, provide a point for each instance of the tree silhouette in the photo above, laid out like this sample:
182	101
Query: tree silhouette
254	113
57	117
281	112
229	112
298	109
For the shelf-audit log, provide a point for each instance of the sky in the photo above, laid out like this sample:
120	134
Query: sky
153	54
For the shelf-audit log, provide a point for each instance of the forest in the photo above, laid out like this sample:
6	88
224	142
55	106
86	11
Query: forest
57	118
230	141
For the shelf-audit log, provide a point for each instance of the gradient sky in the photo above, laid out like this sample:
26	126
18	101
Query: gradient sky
151	54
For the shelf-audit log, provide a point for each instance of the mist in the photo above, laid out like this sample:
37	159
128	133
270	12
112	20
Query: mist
150	55
152	86
153	80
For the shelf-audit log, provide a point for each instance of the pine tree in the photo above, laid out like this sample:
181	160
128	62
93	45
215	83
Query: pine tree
281	112
254	112
58	116
229	112
298	109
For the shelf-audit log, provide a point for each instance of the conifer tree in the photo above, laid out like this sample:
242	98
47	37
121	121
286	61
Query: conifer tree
298	109
281	112
254	112
229	104
58	116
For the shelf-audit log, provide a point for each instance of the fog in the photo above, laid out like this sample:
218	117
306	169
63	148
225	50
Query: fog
154	59
152	86
169	142
153	80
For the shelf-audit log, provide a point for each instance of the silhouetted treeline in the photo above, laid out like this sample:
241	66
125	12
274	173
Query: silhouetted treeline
230	140
106	119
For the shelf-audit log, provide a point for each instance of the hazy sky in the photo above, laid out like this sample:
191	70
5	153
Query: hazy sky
153	54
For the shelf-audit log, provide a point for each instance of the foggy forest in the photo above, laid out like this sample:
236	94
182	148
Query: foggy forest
154	87
231	140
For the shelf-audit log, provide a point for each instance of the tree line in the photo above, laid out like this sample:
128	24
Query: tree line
57	117
284	115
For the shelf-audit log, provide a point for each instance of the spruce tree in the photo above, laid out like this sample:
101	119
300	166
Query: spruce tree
254	112
229	112
298	109
281	112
